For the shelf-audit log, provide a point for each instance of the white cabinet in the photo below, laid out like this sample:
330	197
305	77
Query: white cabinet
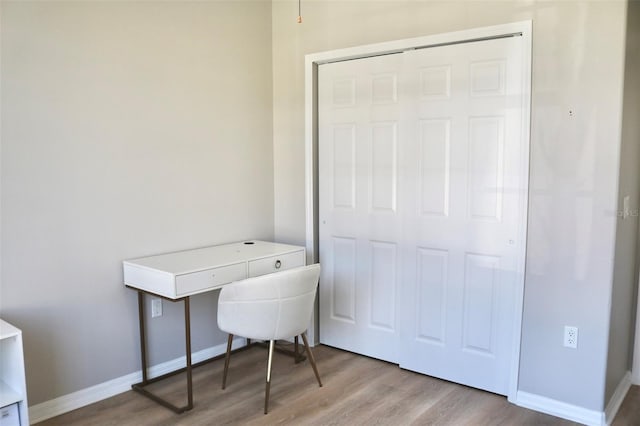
13	388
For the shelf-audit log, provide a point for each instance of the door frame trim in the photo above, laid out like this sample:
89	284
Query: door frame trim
523	28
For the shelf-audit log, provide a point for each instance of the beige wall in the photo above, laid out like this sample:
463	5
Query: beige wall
625	284
128	129
578	53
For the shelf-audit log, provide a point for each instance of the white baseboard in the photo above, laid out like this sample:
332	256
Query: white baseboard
635	373
560	409
66	403
72	401
616	399
574	412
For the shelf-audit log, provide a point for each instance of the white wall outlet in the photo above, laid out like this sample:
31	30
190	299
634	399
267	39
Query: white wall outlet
626	210
156	308
570	337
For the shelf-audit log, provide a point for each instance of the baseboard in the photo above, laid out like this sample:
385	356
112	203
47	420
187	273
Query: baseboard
83	397
618	396
635	374
575	413
69	402
560	409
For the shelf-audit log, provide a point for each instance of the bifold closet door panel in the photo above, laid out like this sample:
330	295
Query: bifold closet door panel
462	227
360	223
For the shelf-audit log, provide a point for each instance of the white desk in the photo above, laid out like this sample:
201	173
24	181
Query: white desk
185	273
177	276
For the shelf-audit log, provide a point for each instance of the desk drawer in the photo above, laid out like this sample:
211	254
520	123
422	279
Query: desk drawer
205	280
276	263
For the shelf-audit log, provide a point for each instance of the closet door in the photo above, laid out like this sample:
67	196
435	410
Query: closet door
422	191
360	224
463	224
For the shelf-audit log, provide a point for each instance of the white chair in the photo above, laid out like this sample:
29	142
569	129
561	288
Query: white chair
269	307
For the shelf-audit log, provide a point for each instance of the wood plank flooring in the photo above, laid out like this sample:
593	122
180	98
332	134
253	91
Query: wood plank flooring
357	391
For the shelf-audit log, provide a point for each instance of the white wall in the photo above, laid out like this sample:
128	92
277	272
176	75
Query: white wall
128	129
578	55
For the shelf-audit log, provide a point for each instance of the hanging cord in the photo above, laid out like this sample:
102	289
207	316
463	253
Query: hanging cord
299	13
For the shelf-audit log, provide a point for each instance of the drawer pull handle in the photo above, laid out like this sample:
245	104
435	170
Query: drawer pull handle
278	264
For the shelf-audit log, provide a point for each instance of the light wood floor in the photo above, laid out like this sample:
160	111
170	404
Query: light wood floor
357	391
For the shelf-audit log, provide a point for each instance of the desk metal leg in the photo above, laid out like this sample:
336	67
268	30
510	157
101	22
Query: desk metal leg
143	339
187	332
140	387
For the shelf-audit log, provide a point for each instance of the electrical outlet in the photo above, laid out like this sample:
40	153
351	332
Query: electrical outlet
626	209
571	337
156	308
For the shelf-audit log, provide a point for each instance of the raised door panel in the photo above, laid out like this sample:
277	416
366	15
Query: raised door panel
435	82
480	304
431	301
487	78
434	166
344	166
486	174
383	285
384	169
343	280
384	88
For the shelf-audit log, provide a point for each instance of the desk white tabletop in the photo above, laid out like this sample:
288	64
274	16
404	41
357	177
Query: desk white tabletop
188	261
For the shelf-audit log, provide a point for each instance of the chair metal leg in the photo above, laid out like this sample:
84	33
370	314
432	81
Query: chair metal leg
226	361
266	394
311	358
